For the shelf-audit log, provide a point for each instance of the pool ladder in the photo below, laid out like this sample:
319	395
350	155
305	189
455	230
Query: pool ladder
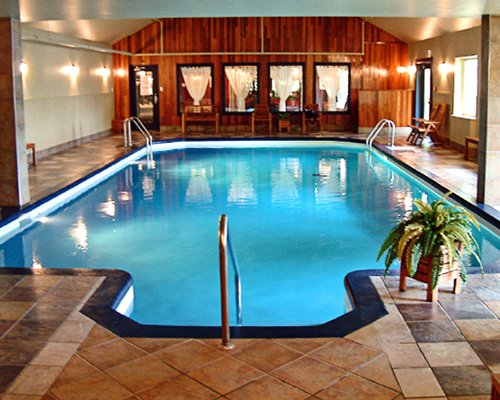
224	245
378	128
127	137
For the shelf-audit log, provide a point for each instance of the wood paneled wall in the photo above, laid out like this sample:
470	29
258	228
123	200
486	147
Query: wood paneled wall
373	59
395	105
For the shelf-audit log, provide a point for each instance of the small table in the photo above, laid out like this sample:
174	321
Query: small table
284	124
468	140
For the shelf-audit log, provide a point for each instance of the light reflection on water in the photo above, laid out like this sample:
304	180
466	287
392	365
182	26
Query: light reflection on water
300	219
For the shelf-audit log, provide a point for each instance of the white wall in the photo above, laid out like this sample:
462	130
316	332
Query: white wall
60	108
446	48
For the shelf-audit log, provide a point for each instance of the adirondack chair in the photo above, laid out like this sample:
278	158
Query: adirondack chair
431	127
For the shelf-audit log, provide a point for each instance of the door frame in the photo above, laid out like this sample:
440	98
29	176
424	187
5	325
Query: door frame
422	64
133	94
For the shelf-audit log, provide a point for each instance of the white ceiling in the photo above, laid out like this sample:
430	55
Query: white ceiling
417	29
107	21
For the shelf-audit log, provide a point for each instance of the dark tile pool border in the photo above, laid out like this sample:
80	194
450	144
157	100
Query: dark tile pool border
366	304
364	298
486	212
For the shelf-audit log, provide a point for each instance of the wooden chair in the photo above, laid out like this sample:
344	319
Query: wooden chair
261	114
415	128
431	127
312	116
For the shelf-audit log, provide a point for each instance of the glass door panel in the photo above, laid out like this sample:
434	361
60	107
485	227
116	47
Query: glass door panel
144	95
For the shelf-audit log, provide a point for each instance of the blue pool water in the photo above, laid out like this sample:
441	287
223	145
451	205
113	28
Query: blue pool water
300	220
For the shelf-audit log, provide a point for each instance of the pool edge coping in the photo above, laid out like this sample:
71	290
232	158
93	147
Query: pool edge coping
488	213
100	307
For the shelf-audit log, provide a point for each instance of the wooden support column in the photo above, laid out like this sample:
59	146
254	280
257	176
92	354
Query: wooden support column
489	117
14	185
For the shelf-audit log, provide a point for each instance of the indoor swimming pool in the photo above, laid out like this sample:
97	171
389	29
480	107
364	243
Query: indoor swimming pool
301	216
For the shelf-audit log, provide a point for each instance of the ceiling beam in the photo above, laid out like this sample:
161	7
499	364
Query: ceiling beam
43	10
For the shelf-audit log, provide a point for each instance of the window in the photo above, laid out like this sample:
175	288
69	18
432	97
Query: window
466	81
331	86
194	85
241	88
287	87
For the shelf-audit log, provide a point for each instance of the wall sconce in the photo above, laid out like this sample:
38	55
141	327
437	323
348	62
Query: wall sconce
444	68
411	69
120	72
105	71
72	70
23	67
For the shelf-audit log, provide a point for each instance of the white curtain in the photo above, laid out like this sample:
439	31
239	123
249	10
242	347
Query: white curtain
329	81
240	80
196	80
343	92
284	77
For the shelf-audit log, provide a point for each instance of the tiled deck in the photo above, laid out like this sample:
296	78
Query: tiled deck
48	350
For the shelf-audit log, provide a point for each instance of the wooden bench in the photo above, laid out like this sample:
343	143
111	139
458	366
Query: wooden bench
200	114
468	140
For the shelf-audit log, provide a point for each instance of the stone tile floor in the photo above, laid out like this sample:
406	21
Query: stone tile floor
49	351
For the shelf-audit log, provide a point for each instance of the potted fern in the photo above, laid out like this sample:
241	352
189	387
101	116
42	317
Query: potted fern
430	243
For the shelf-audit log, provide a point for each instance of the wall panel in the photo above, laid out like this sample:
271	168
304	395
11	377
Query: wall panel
60	108
391	104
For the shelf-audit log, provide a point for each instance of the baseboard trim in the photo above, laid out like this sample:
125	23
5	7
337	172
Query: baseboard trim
68	145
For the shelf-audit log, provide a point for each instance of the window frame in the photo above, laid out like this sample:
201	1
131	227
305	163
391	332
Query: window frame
459	84
180	79
224	80
315	83
270	84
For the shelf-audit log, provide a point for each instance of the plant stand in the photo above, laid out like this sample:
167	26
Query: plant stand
448	272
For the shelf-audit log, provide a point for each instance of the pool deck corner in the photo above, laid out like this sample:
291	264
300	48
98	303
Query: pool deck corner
51	350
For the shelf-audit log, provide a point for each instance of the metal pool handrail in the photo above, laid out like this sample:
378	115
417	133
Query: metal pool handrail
224	244
127	136
376	130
